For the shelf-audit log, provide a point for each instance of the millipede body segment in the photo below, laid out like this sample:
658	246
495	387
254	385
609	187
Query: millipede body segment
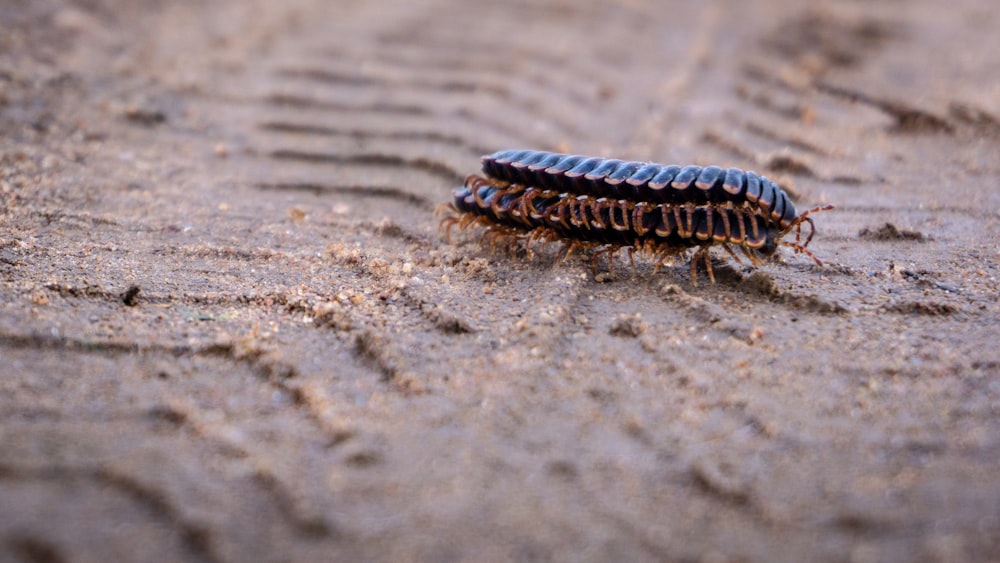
651	208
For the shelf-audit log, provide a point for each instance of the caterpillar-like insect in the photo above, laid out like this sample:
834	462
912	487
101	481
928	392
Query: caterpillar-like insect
650	208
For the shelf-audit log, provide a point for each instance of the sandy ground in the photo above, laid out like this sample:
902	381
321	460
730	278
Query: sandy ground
230	329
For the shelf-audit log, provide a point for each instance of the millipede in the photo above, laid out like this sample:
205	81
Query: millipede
661	210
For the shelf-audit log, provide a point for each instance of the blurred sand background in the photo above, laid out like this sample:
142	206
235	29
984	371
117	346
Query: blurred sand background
230	330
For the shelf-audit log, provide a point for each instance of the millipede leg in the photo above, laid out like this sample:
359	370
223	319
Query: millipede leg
525	201
733	254
680	225
703	255
542	235
638	220
568	247
610	251
725	224
561	208
585	206
593	263
812	231
801	248
753	259
574	217
532	236
513	243
663	254
446	224
708	265
623	206
473	183
445	209
493	235
660	261
495	207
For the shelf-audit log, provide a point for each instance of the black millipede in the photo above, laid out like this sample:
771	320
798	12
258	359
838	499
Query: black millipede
662	210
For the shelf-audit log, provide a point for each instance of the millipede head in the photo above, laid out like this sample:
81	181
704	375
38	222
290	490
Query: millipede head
773	239
804	218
